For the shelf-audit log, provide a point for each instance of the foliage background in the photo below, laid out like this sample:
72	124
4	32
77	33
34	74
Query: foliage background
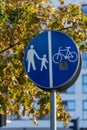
20	22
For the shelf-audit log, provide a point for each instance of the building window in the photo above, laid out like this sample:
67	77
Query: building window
70	105
85	105
84	83
71	89
84	8
84	60
85	109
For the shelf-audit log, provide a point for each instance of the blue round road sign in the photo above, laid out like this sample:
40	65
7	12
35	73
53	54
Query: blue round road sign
52	61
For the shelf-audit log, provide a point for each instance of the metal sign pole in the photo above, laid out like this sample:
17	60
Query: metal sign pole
53	110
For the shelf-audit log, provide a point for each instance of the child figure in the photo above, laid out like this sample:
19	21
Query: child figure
43	63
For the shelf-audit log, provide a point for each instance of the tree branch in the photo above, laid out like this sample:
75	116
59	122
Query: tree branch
11	46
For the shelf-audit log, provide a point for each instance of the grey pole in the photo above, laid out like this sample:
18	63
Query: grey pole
53	110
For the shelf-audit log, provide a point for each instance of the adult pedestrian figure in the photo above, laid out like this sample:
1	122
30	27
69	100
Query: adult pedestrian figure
30	58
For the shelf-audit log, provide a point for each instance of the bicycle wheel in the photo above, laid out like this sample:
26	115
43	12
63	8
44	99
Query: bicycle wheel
57	58
72	57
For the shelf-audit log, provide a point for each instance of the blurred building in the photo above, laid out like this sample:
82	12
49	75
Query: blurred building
75	97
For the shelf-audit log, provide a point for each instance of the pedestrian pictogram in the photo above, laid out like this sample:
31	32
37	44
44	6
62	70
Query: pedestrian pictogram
31	53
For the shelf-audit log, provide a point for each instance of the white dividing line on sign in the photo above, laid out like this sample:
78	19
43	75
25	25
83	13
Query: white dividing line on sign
50	59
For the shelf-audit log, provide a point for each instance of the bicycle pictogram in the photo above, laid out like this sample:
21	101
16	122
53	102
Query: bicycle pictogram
65	53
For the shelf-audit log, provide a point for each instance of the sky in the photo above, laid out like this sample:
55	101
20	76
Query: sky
69	1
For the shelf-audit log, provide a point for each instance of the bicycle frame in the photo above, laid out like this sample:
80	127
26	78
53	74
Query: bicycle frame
64	50
71	56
